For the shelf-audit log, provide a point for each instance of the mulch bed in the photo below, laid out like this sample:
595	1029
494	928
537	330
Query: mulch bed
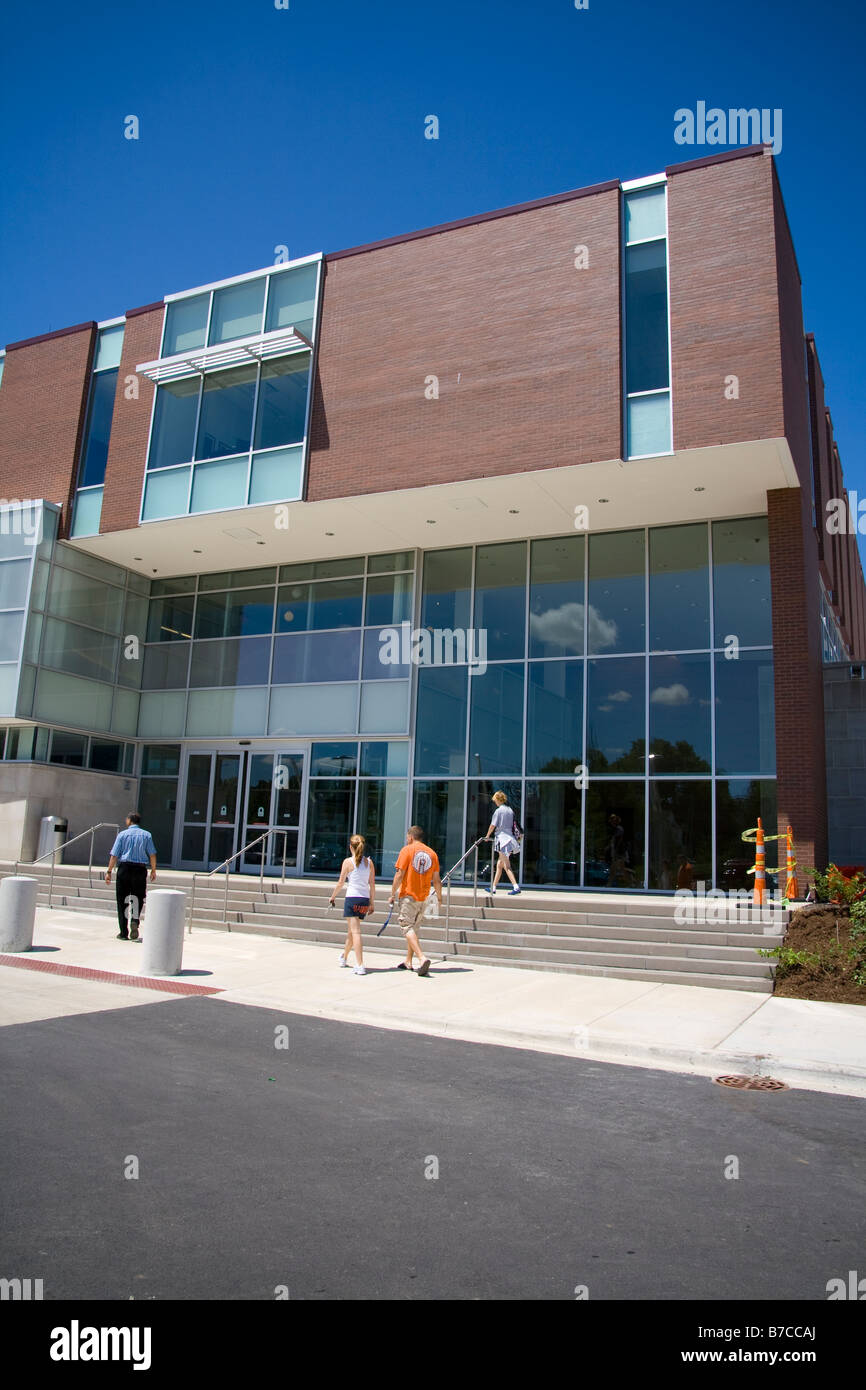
817	928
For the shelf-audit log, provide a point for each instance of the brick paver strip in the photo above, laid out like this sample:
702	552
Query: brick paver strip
167	984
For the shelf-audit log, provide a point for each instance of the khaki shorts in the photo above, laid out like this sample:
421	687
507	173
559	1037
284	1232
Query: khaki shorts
411	912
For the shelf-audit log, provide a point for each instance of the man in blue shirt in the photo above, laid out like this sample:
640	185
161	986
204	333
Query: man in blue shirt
131	852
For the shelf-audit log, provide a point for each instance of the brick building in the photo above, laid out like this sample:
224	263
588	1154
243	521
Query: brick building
535	501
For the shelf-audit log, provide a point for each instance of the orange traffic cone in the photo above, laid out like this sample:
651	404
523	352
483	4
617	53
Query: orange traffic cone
792	889
760	867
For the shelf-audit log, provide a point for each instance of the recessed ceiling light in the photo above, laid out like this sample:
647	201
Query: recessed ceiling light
329	533
700	489
196	552
512	511
259	542
604	499
430	523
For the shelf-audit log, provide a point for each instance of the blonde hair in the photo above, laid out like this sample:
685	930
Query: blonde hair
500	798
357	844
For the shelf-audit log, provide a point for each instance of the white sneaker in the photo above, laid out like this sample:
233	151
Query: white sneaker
344	964
360	969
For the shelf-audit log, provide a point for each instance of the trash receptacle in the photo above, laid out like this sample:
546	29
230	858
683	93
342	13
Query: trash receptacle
52	835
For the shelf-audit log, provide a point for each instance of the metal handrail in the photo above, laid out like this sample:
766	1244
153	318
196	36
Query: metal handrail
453	869
274	830
52	853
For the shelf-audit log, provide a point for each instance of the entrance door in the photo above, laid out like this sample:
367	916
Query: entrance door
274	800
210	809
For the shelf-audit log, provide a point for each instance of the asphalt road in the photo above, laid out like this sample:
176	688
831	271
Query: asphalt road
303	1169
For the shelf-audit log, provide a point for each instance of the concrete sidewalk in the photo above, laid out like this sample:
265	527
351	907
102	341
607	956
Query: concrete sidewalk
682	1028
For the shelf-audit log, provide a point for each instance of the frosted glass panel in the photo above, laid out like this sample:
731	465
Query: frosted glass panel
219	485
8	689
109	346
88	510
218	712
645	214
649	425
26	687
384	707
84	599
20	528
161	712
33	638
82	563
276	476
10	635
124	717
166	494
14	577
314	709
72	700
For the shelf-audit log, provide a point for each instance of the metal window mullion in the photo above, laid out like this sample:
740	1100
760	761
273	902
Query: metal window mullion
584	751
646	762
253	428
526	603
712	703
668	308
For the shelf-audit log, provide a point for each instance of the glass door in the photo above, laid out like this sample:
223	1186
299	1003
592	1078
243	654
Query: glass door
210	808
274	800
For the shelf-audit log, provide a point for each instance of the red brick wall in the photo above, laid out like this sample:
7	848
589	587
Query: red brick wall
724	313
534	341
838	553
795	388
127	451
43	401
800	759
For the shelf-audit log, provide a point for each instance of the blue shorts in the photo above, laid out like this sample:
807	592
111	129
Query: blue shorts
351	905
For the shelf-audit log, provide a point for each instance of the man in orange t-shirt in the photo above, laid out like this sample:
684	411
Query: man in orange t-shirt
417	868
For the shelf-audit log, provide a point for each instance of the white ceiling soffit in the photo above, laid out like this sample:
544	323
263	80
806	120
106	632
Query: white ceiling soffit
723	481
259	348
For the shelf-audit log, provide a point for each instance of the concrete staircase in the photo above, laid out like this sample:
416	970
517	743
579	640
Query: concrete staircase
631	936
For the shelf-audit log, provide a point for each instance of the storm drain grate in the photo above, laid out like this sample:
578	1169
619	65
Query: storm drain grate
751	1083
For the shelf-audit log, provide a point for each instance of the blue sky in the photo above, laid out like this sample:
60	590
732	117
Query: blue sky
305	127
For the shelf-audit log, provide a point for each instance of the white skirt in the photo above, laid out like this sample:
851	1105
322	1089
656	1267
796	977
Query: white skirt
506	844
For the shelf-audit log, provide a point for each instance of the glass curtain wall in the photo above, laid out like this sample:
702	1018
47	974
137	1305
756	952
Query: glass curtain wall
357	787
626	708
297	651
82	655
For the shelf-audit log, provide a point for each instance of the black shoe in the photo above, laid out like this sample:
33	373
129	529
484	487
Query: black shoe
424	967
402	966
133	933
122	936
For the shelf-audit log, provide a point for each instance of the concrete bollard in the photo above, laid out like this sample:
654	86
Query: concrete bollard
17	912
162	932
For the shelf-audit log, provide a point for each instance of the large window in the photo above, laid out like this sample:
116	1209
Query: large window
629	702
87	508
279	647
233	433
237	435
645	323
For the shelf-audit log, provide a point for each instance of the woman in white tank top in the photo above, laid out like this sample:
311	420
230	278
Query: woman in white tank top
359	877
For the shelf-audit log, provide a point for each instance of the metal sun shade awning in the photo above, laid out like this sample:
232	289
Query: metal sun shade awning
259	348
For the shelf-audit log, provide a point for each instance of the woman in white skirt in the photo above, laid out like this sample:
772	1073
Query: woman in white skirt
502	826
359	877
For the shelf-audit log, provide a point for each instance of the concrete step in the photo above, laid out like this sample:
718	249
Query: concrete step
685	957
637	938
